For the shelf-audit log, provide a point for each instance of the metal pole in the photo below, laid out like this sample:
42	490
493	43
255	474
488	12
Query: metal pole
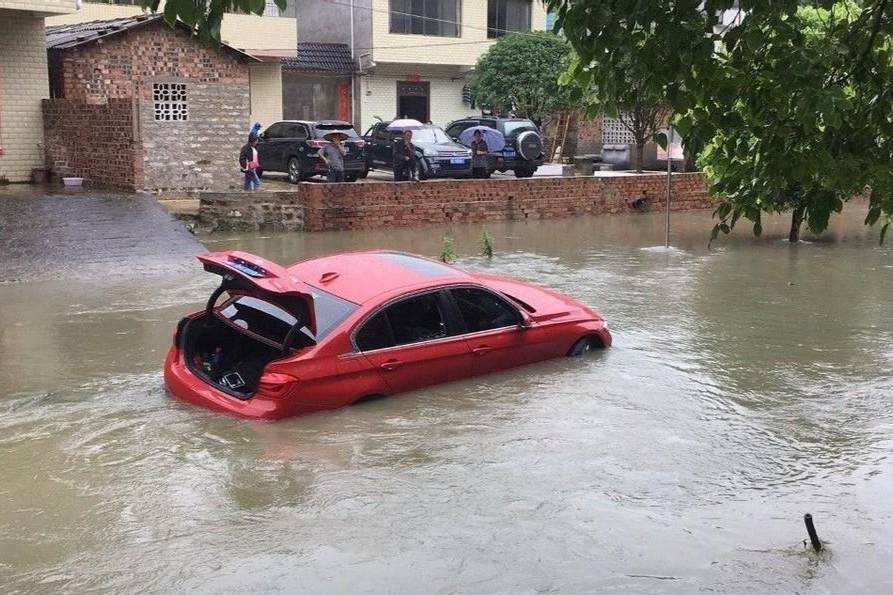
669	184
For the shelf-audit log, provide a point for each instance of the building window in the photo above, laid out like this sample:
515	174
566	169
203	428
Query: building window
170	102
506	16
439	18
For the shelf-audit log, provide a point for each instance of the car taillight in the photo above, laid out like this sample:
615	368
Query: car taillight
275	384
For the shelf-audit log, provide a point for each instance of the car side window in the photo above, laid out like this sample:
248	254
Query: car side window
417	319
483	310
458	128
375	333
275	131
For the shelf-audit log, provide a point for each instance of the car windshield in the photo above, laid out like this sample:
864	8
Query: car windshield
430	135
320	130
514	126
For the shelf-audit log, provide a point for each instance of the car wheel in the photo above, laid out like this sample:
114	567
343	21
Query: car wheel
423	174
524	172
364	174
584	345
294	170
350	178
259	172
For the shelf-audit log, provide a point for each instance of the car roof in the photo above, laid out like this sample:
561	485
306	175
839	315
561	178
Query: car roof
314	122
360	276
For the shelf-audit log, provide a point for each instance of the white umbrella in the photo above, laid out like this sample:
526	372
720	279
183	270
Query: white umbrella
494	139
404	123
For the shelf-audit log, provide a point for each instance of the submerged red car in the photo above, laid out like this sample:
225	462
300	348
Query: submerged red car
273	342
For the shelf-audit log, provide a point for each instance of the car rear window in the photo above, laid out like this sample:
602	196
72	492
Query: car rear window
513	127
273	323
259	317
320	130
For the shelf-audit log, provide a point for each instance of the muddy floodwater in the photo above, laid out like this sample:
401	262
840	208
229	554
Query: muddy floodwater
749	383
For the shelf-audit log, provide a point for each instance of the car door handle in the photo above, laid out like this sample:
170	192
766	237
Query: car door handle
392	364
482	350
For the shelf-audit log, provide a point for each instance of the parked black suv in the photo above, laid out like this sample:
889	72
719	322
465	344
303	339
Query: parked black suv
523	151
438	156
293	146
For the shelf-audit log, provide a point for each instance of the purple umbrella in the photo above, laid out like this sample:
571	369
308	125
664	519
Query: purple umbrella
494	139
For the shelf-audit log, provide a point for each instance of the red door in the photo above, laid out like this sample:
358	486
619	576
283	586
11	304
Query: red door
496	337
413	344
413	366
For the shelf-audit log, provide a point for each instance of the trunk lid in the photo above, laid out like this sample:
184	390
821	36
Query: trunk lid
253	275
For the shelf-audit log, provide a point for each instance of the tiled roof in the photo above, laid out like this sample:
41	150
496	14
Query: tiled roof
322	58
63	37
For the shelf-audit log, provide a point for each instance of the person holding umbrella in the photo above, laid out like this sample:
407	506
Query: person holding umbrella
404	158
479	152
482	140
333	154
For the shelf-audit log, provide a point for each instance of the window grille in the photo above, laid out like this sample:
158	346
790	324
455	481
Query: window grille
170	102
615	133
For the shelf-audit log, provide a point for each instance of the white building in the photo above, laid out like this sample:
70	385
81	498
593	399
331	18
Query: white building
24	83
414	57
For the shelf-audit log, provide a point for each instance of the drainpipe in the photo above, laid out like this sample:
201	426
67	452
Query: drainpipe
354	78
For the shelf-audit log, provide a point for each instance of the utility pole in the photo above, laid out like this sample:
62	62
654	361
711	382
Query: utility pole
669	184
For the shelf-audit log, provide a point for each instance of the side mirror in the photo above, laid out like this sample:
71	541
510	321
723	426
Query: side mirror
525	319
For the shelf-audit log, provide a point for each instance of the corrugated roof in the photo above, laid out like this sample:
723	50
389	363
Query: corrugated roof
322	58
63	37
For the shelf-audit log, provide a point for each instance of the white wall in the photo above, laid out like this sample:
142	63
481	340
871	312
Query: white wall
379	98
24	83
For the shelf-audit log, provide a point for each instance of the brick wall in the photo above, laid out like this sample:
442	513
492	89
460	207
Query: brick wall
376	205
23	84
201	152
95	142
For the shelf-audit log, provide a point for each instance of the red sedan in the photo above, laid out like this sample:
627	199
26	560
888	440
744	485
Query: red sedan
274	342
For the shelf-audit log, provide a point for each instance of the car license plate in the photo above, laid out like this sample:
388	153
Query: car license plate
457	161
508	154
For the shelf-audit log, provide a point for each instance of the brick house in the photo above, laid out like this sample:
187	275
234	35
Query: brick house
141	105
414	57
270	36
23	83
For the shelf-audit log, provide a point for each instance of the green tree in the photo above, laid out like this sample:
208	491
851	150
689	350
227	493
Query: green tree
790	103
520	73
626	96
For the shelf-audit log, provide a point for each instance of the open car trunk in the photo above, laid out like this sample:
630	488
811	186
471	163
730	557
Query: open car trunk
225	357
267	315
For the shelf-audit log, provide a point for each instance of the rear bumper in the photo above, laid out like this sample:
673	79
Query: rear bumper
186	386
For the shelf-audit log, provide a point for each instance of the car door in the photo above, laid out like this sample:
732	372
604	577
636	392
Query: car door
268	147
413	342
495	331
384	148
295	145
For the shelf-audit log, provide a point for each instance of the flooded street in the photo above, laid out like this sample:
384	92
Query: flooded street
748	384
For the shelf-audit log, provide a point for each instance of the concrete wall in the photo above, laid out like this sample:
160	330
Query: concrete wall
422	49
243	31
324	207
266	92
23	84
44	7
